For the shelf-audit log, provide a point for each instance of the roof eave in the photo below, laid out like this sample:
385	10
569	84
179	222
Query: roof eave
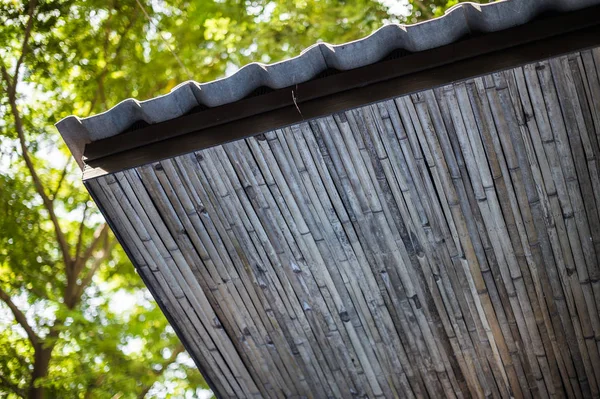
539	39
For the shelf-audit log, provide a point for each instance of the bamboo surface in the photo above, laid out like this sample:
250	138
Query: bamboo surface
441	244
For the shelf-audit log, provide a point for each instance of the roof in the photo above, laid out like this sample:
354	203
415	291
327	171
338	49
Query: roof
438	244
426	226
458	22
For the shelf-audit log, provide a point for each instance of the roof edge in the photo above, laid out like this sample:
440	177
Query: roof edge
458	22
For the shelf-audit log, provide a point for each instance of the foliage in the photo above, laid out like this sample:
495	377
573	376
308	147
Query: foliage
421	10
75	319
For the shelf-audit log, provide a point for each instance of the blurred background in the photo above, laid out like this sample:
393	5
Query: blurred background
75	319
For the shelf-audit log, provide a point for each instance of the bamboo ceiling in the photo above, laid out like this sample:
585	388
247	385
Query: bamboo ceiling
441	244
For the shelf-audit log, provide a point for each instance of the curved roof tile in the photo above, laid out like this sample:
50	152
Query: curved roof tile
457	22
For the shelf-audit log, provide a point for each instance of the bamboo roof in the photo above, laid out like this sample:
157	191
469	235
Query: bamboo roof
440	243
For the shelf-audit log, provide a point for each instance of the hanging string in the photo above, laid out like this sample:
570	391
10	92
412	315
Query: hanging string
164	40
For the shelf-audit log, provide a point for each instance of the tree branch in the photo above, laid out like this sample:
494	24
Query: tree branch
12	97
21	319
25	45
100	77
106	251
39	187
100	234
176	351
94	384
425	11
62	179
125	31
16	355
12	386
80	234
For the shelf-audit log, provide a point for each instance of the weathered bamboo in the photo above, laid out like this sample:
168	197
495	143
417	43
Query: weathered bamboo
440	244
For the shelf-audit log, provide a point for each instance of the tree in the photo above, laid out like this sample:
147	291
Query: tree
421	10
75	319
59	264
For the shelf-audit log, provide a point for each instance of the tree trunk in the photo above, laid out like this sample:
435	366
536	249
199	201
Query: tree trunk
40	370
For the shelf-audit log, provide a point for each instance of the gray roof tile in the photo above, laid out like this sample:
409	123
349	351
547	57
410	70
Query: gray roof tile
456	23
